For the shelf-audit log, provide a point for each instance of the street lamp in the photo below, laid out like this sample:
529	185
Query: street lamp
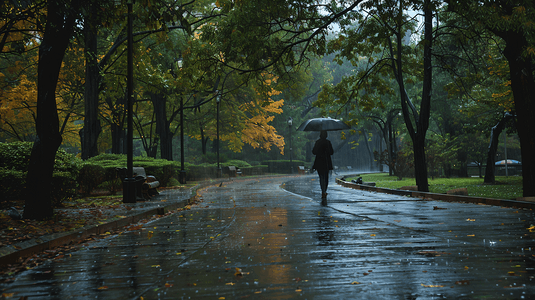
290	123
218	100
129	193
182	175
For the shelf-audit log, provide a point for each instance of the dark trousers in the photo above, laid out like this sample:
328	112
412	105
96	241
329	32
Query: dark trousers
324	181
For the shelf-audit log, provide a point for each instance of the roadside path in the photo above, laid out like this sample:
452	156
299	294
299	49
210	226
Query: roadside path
270	238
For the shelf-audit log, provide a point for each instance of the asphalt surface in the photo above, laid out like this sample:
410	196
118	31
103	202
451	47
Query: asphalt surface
273	239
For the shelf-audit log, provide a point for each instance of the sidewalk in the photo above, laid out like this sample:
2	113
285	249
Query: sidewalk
130	213
271	238
170	200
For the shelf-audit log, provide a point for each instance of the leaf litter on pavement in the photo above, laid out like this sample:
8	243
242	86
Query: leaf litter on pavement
72	216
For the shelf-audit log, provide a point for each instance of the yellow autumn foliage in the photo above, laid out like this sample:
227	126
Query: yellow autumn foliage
18	110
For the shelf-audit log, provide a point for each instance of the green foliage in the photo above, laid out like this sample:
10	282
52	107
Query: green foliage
14	162
91	176
401	163
283	166
102	168
64	187
505	187
237	163
12	183
441	150
173	182
111	186
15	156
107	157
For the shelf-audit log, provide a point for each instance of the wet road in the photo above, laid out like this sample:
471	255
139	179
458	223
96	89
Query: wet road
272	239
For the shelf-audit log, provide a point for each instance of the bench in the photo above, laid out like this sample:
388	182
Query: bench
145	185
232	171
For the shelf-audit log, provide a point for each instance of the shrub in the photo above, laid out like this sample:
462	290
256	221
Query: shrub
173	182
12	184
64	187
91	176
107	156
15	156
14	162
112	186
237	163
283	166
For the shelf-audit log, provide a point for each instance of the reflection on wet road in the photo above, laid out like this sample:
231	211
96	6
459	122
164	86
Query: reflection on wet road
272	239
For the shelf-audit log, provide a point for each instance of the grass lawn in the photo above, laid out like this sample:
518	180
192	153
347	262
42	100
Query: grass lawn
505	187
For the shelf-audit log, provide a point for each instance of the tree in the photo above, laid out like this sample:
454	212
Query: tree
512	21
59	29
384	26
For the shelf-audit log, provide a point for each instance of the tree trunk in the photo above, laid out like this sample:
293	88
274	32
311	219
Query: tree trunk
203	142
118	138
370	152
420	165
523	87
493	146
92	127
159	102
58	31
421	120
117	124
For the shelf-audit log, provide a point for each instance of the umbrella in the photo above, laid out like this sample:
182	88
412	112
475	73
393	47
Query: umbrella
509	162
319	124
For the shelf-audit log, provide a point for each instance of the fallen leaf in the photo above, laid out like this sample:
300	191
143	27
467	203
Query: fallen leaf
355	282
103	288
168	285
432	285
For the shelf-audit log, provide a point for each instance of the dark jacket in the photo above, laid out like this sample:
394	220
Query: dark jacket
323	149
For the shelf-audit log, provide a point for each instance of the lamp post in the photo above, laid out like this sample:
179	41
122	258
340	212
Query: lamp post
182	174
218	101
129	192
290	123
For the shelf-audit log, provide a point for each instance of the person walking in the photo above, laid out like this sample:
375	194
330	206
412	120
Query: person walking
323	149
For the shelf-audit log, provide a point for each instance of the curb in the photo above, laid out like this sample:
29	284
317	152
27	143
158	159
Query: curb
48	242
442	197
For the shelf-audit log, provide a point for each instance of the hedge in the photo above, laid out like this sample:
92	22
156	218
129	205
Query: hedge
14	163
